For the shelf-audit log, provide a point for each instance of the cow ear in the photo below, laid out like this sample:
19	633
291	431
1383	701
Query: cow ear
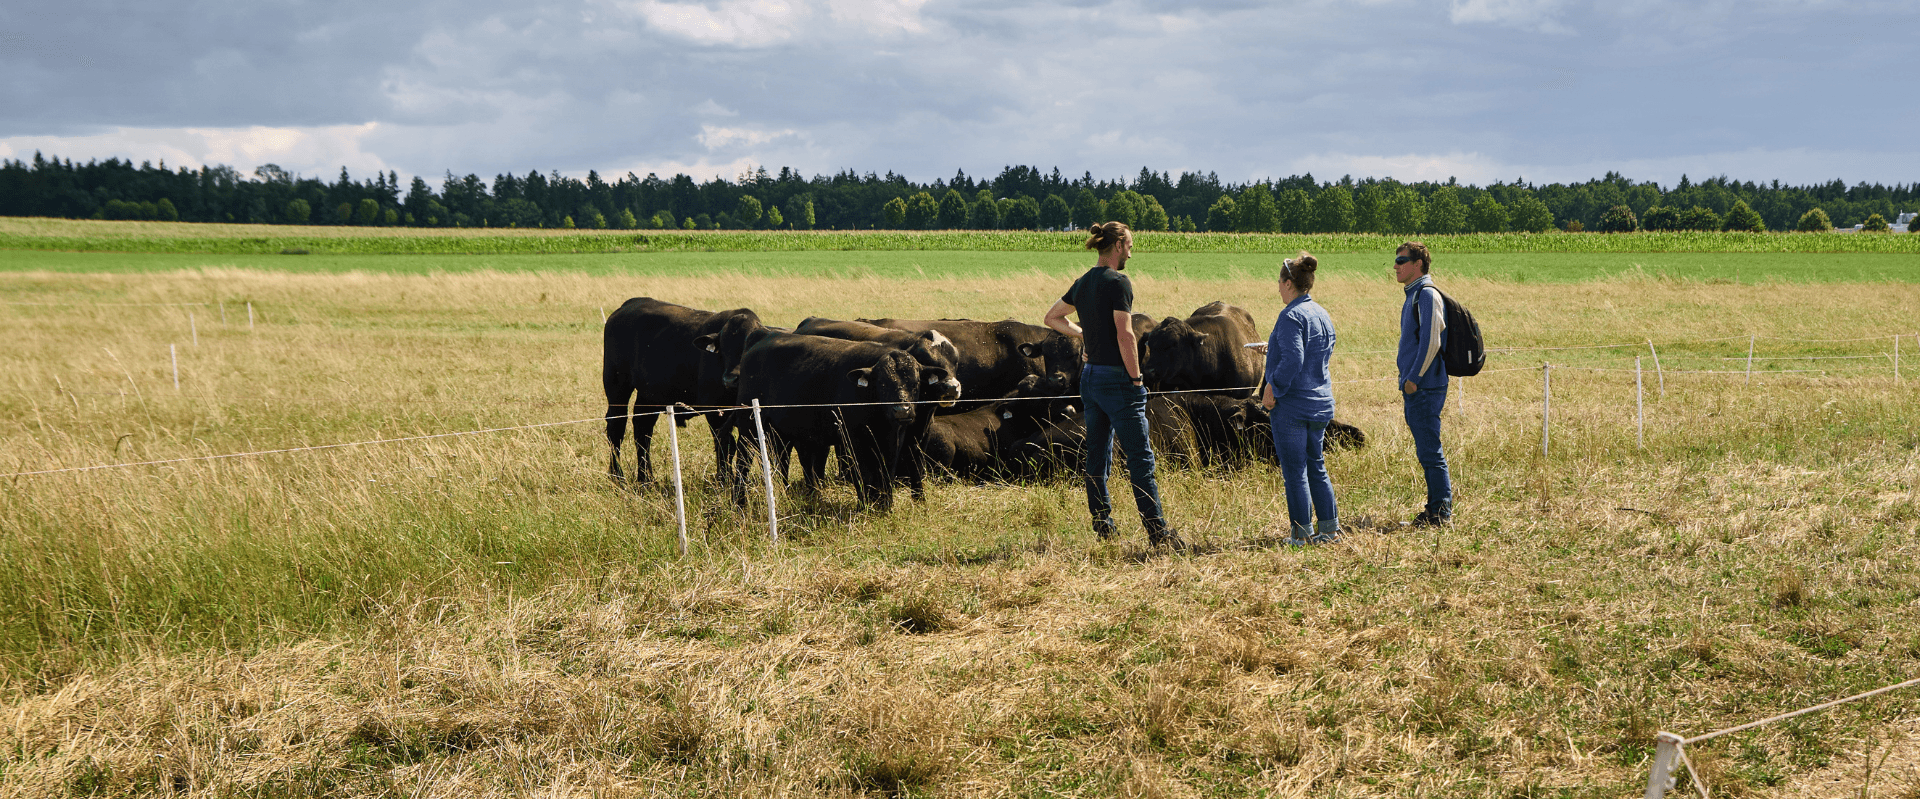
708	342
1199	336
859	377
1029	350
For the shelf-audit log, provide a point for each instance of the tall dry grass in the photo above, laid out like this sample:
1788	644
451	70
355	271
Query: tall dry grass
488	616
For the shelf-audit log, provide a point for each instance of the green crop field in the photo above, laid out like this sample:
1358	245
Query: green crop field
487	615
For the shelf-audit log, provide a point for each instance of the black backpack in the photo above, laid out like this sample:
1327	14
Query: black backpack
1465	352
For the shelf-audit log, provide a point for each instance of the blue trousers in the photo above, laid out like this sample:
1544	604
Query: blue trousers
1115	407
1301	447
1423	419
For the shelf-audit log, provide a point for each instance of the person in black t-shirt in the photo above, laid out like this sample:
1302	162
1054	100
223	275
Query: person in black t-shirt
1111	392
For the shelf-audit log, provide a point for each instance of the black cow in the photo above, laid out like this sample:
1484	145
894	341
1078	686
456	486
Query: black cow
1197	429
979	444
717	386
1204	351
930	347
1256	425
996	356
647	359
864	396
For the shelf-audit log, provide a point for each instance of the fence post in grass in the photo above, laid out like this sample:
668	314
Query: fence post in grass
1657	371
1750	339
195	327
249	316
1640	401
603	314
1546	404
173	354
679	491
766	471
1665	756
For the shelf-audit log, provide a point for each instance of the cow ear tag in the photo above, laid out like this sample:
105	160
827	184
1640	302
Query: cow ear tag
1006	414
712	348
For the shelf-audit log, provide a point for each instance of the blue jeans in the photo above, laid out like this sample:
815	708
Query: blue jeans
1300	445
1423	419
1115	407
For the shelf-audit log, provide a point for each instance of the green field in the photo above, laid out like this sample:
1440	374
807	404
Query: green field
174	237
488	616
924	265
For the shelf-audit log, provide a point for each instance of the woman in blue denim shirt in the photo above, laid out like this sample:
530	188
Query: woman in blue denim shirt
1298	396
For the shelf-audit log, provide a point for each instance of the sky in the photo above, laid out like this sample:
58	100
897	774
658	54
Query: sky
1800	91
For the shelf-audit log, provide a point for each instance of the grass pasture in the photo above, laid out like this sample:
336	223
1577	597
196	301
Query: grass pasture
486	615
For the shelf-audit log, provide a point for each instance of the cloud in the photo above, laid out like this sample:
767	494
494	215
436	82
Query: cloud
741	23
1537	15
714	137
1467	89
317	151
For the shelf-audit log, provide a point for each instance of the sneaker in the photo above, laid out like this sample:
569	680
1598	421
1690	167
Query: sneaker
1429	518
1103	528
1324	538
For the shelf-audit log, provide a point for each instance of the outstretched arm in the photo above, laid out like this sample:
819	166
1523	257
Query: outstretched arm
1057	319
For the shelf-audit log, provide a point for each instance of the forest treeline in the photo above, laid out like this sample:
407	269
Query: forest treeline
1019	197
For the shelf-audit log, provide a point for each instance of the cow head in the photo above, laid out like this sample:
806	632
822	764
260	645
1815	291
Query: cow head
1060	358
939	358
1173	356
893	383
739	332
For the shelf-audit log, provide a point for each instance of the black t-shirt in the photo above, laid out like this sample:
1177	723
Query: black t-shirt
1095	296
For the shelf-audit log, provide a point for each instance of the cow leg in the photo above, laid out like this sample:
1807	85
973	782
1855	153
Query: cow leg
643	446
729	455
813	466
616	434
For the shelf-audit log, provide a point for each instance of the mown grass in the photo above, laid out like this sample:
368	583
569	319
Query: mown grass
79	235
487	616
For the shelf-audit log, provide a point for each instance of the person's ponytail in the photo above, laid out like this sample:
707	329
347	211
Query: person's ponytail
1103	237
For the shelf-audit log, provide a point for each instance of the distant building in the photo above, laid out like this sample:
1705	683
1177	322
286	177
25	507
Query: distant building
1898	225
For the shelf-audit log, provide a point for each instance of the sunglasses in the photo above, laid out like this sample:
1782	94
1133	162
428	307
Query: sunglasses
1286	269
1401	259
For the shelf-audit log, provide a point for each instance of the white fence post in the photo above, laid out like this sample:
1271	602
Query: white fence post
603	314
1750	339
679	491
249	316
1665	756
766	471
1657	371
1546	404
1640	401
195	327
173	354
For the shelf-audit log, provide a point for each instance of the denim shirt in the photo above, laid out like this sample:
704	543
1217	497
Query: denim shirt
1297	355
1423	329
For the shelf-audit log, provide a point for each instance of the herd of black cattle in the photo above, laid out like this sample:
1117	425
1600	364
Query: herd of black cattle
897	398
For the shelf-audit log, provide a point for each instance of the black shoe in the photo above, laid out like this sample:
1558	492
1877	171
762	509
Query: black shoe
1429	518
1103	528
1169	538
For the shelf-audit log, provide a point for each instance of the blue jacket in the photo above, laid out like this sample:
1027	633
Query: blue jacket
1297	355
1423	332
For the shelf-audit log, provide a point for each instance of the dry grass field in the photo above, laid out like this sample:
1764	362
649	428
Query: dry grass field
487	616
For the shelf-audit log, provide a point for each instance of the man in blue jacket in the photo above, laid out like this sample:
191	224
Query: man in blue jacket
1423	375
